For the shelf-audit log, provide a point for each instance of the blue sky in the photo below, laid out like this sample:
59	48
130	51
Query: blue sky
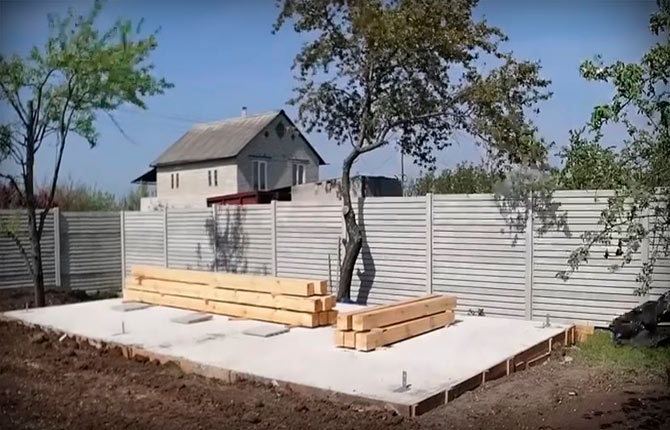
221	55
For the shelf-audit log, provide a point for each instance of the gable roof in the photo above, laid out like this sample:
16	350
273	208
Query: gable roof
220	139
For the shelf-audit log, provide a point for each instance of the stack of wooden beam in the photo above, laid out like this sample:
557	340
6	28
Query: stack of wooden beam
290	301
373	327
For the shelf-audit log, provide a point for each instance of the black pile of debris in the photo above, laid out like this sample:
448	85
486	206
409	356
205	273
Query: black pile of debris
645	325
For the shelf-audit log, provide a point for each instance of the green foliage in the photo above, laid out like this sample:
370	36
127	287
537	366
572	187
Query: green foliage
59	89
464	179
640	210
589	166
408	73
600	350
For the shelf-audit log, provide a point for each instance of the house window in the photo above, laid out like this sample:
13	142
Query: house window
176	177
298	174
174	180
215	176
260	169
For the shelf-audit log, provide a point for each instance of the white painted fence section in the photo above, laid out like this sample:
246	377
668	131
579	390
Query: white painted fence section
90	250
307	235
476	256
392	263
80	250
504	261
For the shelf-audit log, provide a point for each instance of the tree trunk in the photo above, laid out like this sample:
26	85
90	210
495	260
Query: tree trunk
33	223
36	255
354	240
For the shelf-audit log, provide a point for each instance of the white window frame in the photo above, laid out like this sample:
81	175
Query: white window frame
258	184
298	172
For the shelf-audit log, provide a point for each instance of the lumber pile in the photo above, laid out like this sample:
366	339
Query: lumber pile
290	301
373	327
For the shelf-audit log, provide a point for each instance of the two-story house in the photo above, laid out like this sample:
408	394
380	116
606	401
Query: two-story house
249	153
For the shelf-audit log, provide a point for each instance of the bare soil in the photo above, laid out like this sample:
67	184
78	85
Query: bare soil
46	383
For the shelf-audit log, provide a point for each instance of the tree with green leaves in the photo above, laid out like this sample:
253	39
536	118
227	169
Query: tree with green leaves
464	179
640	208
409	73
57	91
591	166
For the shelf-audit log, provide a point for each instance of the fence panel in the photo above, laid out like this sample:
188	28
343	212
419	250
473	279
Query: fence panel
144	242
596	292
90	250
190	239
476	256
392	262
244	239
13	271
307	234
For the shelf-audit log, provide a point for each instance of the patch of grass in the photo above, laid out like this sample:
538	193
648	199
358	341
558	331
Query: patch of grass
599	349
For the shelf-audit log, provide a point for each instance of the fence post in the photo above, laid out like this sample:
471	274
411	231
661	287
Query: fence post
57	256
528	296
123	249
165	236
429	243
273	233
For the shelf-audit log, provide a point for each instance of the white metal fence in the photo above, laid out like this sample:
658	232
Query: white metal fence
490	256
80	250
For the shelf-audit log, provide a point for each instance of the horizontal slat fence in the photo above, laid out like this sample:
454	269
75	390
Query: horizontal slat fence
500	256
476	256
90	250
307	235
392	262
14	272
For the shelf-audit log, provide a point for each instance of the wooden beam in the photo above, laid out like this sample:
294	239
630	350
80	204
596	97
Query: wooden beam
265	284
402	312
231	309
344	319
208	292
349	339
367	341
339	338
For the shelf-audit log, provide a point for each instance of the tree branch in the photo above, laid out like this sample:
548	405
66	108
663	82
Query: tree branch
10	234
13	183
16	104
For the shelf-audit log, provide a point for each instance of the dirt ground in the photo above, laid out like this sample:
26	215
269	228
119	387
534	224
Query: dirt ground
46	383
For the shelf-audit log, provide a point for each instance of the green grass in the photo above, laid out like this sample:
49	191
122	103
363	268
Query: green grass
599	349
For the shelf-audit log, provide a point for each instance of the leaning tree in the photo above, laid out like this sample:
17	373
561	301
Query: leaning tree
56	91
411	73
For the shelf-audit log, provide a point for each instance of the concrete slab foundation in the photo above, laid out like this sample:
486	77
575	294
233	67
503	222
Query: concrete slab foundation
192	318
439	366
